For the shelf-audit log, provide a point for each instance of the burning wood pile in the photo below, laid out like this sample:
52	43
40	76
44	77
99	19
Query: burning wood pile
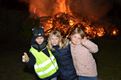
65	23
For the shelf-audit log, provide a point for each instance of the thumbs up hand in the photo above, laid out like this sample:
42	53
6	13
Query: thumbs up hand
25	57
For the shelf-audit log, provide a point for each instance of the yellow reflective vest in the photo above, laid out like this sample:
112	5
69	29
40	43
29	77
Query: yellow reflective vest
45	66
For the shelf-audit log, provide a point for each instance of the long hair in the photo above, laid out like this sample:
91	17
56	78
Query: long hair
57	34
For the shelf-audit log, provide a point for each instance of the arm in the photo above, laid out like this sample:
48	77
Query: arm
28	58
92	47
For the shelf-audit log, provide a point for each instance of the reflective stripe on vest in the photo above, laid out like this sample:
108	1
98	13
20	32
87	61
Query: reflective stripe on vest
45	66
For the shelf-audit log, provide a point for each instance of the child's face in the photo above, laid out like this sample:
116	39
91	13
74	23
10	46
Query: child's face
39	40
76	39
54	40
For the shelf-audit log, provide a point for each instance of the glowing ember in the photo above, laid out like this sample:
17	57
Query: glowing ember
114	32
71	22
100	32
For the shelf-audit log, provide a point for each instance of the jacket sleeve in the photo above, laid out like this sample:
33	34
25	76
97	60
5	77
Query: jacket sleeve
31	61
92	47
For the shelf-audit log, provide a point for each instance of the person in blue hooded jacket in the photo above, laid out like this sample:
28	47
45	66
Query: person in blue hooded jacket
62	52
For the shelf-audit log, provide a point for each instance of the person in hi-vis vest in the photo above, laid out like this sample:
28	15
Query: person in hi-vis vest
40	57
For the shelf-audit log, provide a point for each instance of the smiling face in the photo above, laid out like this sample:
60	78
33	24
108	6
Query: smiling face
76	39
54	40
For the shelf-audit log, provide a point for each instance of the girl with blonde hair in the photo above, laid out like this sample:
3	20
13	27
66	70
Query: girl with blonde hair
61	51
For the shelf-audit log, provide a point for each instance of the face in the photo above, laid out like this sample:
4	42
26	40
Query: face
54	40
39	40
76	39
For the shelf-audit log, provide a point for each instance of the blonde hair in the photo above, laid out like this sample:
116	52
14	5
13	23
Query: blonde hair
57	34
78	30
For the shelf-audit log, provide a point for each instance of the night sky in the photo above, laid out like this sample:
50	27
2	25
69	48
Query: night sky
13	4
12	16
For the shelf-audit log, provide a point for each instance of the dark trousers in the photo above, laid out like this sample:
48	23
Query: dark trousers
87	78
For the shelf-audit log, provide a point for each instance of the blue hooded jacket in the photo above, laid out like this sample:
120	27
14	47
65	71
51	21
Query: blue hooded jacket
65	62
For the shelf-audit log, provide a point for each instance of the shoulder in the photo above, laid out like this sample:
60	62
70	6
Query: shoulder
66	49
67	46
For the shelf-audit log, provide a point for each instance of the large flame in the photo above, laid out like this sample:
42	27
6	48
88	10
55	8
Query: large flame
62	6
48	7
90	8
64	14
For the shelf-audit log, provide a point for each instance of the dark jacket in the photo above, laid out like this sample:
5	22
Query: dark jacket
64	59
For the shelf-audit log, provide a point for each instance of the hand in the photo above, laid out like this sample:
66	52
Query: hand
84	40
25	57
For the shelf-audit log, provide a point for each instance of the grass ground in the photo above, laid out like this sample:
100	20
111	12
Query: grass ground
108	59
108	62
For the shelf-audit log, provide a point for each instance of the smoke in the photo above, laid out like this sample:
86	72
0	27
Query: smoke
44	7
41	7
93	9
